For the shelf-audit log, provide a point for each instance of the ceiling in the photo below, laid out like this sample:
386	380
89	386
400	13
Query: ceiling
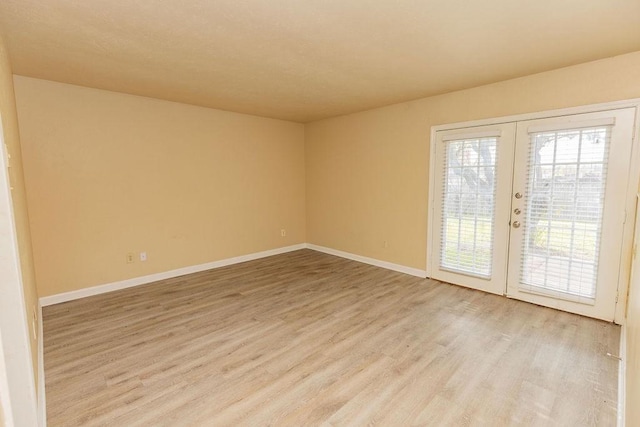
304	60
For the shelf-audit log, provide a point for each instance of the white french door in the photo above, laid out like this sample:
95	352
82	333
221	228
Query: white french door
473	169
535	209
572	174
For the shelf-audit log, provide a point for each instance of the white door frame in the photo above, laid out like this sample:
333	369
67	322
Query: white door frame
17	380
624	270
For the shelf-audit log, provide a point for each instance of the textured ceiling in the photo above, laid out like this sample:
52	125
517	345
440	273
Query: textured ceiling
306	60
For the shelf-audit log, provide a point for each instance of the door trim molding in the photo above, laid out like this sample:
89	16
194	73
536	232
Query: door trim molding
544	114
631	191
17	381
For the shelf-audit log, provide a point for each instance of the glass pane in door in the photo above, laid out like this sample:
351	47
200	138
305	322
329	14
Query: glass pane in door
564	201
468	204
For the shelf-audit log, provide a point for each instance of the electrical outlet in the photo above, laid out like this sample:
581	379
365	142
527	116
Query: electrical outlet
143	256
283	233
385	244
130	258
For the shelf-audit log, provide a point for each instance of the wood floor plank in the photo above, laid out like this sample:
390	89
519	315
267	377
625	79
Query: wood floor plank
306	338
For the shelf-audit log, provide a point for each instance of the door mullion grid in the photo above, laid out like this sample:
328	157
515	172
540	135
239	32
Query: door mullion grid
575	215
462	166
550	208
475	211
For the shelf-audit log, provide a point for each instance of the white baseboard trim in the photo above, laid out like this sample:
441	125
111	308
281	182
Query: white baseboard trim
371	261
42	400
101	289
622	375
137	281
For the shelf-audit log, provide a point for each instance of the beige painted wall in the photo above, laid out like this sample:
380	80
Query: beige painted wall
367	173
18	195
109	173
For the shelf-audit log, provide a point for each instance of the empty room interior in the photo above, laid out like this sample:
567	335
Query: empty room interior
320	213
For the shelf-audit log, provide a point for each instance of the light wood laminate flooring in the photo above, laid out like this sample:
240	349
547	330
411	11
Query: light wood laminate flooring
306	339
